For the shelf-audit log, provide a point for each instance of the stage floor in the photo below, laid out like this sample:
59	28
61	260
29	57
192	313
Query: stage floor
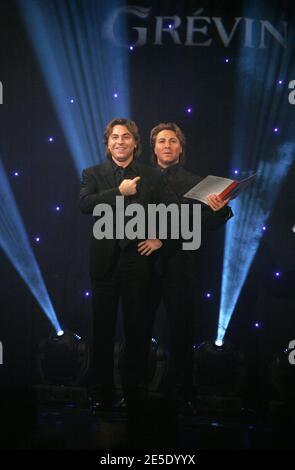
62	425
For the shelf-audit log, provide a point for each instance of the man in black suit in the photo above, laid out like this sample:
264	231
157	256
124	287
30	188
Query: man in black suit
176	283
120	268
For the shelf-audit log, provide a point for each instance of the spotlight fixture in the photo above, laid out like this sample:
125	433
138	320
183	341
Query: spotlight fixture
63	359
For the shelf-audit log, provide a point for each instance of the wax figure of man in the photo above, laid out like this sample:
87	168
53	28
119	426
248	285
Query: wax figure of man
176	281
120	268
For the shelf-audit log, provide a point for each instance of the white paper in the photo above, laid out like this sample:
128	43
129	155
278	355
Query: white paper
216	185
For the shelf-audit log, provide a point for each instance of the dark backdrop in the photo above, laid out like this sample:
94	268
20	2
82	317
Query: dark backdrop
164	81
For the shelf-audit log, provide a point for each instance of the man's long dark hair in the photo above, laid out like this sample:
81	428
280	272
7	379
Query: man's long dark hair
132	128
169	126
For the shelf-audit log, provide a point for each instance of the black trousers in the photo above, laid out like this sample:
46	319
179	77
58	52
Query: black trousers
174	281
129	279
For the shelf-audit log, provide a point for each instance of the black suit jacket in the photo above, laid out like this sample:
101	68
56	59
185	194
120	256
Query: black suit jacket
99	186
179	181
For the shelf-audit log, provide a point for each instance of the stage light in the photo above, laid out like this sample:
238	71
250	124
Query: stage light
293	228
257	324
87	294
227	60
16	173
131	48
57	208
276	129
218	343
59	333
189	110
264	228
50	139
115	95
277	274
63	359
15	243
219	370
208	295
280	82
236	172
69	39
72	100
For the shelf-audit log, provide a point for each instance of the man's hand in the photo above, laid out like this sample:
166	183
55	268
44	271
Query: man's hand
128	187
216	203
148	246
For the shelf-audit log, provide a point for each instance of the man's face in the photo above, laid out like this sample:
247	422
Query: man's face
121	145
167	148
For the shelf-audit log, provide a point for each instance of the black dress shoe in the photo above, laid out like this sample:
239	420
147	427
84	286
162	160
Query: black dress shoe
120	405
101	406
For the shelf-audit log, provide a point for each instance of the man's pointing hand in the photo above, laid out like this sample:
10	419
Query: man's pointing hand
128	187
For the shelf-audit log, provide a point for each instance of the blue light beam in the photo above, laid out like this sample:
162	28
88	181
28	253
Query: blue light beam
243	233
15	243
259	108
77	61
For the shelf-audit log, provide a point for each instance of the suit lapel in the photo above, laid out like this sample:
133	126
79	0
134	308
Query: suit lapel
108	174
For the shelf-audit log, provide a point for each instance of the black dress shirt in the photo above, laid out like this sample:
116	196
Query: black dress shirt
129	172
120	174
